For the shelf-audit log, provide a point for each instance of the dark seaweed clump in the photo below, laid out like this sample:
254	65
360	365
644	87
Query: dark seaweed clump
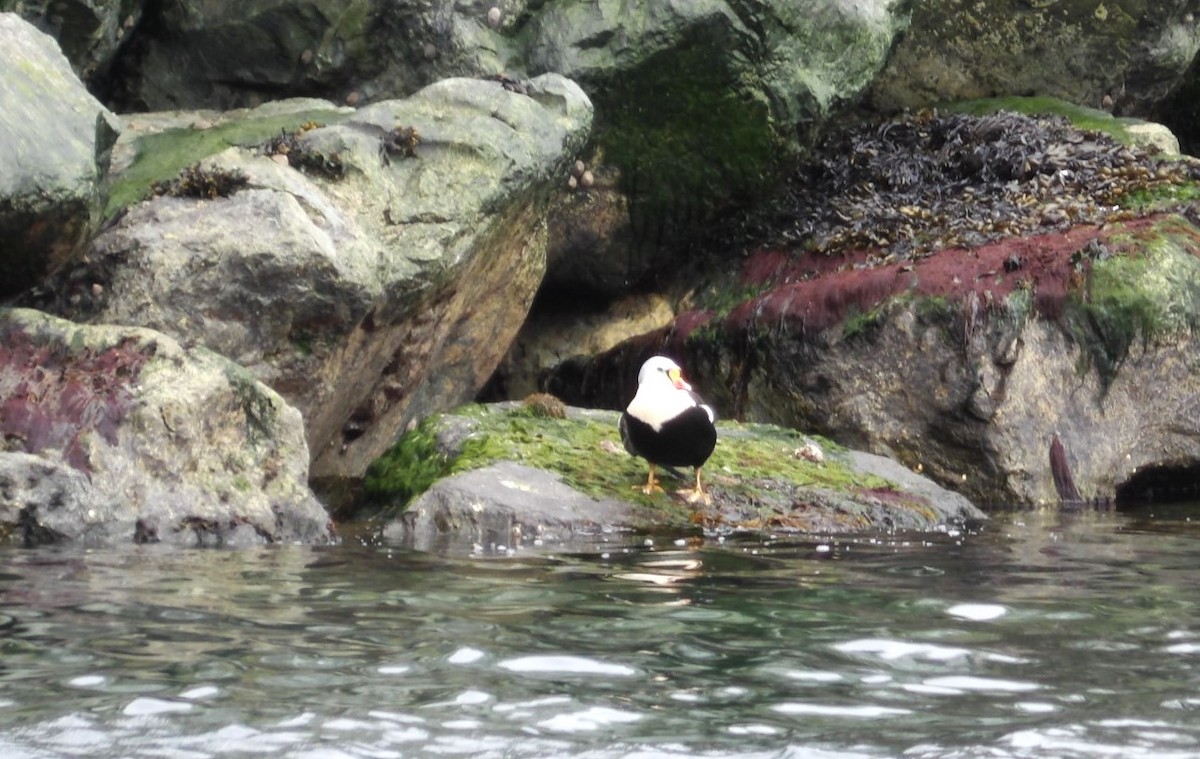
923	182
198	182
303	157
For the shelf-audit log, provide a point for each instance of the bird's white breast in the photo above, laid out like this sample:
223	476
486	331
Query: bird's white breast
658	402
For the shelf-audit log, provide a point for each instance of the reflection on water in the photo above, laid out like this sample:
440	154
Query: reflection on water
1044	634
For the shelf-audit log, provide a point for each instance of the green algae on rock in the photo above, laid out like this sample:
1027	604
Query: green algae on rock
1144	286
759	476
1123	129
157	147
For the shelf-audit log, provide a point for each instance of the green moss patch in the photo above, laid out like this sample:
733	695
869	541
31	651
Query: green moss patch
1148	295
406	470
755	476
163	155
684	141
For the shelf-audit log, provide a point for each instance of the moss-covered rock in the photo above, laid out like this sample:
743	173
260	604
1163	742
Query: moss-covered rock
760	477
371	265
1126	130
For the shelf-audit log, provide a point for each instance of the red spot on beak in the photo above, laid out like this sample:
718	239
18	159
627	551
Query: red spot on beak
677	380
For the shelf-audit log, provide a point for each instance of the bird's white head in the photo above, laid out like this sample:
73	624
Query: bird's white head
659	367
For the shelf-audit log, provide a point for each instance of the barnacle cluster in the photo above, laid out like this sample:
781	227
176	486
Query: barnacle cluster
923	182
197	181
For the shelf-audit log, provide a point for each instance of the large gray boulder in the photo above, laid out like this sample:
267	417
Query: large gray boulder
118	434
54	144
223	56
799	60
371	291
1122	56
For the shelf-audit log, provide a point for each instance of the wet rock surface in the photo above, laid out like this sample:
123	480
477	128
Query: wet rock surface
369	272
55	138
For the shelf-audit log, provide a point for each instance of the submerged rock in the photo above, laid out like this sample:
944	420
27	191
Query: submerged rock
504	475
118	434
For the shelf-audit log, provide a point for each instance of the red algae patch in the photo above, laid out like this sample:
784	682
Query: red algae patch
53	395
814	294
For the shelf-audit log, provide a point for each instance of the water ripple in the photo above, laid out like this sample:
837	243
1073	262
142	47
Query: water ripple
1045	635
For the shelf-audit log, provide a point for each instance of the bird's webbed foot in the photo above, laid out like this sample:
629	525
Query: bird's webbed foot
693	496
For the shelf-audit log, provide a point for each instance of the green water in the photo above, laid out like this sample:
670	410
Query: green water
1043	634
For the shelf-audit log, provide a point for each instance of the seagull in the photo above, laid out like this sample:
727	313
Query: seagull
669	425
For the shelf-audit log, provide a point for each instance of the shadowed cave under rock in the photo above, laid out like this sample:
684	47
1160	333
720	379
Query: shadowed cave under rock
1169	483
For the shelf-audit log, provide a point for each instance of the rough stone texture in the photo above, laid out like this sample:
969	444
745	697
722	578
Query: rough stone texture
981	416
223	56
233	55
54	144
506	506
368	298
592	248
1122	55
801	58
118	434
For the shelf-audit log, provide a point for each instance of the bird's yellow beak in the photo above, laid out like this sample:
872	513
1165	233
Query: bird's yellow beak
677	379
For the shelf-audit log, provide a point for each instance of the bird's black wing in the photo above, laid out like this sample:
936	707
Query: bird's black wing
623	426
712	412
